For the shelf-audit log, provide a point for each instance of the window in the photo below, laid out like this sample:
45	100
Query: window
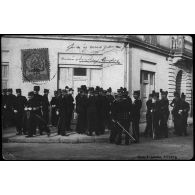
4	71
80	72
151	79
145	76
151	39
4	74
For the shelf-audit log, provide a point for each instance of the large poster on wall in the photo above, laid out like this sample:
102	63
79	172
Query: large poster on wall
35	65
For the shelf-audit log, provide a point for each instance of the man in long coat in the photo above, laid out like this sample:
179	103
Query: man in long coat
53	103
19	110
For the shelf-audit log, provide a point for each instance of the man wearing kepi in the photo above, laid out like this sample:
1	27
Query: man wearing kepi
19	111
39	100
30	120
53	104
45	106
164	113
121	116
185	107
9	107
3	107
71	107
63	114
135	115
176	103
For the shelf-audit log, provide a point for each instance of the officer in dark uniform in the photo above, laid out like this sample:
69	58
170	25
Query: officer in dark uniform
176	102
155	114
3	107
185	108
9	112
39	101
45	106
148	129
135	116
19	111
113	127
71	105
92	122
102	108
164	113
53	103
110	100
81	109
121	116
30	111
63	114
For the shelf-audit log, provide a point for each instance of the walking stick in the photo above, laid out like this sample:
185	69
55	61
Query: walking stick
124	130
153	131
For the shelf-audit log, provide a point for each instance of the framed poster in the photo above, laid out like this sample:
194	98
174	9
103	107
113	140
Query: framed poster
35	65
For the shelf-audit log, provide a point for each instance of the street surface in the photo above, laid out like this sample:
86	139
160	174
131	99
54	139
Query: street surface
172	148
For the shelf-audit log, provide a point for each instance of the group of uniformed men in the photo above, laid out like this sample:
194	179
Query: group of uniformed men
158	113
97	109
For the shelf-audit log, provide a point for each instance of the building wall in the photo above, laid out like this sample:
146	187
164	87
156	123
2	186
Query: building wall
156	63
108	56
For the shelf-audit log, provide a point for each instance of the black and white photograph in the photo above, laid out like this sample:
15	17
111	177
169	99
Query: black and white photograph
97	97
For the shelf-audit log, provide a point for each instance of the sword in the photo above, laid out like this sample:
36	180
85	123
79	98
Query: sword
124	130
45	123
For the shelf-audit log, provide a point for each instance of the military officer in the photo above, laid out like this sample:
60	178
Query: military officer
121	115
63	114
81	109
185	107
9	106
19	110
176	103
3	107
148	129
45	106
71	106
110	100
92	122
102	109
155	114
39	101
30	120
164	113
135	116
53	103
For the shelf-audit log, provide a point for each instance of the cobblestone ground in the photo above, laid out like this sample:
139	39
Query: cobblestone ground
172	148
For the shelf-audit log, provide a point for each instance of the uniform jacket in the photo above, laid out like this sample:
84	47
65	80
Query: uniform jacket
136	107
45	103
20	103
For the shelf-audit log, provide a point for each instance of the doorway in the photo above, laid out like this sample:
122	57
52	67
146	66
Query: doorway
147	83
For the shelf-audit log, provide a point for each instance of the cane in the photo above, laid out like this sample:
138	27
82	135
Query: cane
124	130
153	133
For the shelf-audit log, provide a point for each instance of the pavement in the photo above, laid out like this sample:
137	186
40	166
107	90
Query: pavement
9	136
172	148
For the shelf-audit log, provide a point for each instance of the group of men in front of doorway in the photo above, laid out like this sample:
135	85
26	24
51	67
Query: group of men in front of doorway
96	109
